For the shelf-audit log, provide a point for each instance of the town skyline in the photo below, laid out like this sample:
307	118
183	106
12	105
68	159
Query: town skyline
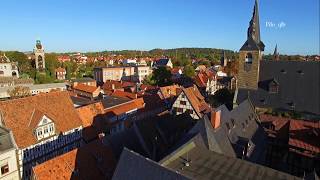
143	26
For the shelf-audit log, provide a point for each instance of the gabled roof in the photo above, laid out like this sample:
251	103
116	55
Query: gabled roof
86	88
170	91
161	62
196	100
197	162
56	105
124	94
228	139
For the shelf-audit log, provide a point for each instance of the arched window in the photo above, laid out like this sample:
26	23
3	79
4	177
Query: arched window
248	59
40	62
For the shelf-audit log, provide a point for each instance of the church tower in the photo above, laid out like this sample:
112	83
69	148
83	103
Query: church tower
39	56
276	55
250	54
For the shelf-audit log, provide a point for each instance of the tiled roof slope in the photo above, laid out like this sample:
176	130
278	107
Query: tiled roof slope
56	105
86	88
92	161
134	166
196	99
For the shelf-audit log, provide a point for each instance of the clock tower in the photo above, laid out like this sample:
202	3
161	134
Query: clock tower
39	56
250	54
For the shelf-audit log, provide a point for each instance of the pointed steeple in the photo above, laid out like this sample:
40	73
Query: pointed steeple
253	34
254	28
276	56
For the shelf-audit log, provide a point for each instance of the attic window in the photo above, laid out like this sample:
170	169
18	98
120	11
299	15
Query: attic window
273	87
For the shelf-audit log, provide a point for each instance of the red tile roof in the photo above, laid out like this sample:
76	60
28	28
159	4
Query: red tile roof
170	91
305	135
124	94
302	134
86	88
18	115
201	78
196	100
126	107
92	161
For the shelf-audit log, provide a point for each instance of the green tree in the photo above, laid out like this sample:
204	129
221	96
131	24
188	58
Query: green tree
51	64
222	96
149	80
189	71
162	76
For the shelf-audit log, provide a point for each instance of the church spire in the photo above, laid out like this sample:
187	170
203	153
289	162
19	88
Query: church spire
253	34
254	28
276	56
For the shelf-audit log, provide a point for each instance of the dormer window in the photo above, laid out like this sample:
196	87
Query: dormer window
248	59
45	128
273	86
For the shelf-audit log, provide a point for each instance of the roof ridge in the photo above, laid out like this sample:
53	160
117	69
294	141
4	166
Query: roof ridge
34	109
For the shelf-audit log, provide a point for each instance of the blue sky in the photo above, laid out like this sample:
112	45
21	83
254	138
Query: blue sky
96	25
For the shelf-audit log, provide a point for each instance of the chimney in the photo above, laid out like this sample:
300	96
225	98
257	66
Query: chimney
215	119
113	87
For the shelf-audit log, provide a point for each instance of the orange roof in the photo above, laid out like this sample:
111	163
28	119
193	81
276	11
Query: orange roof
60	69
305	135
196	100
118	93
18	115
89	112
86	88
123	108
111	83
92	161
169	91
146	87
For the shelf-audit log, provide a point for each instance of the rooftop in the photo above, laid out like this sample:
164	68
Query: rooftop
92	161
18	113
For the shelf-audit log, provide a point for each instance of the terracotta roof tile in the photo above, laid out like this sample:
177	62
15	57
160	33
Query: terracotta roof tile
86	88
56	105
170	91
124	94
305	135
196	99
92	161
